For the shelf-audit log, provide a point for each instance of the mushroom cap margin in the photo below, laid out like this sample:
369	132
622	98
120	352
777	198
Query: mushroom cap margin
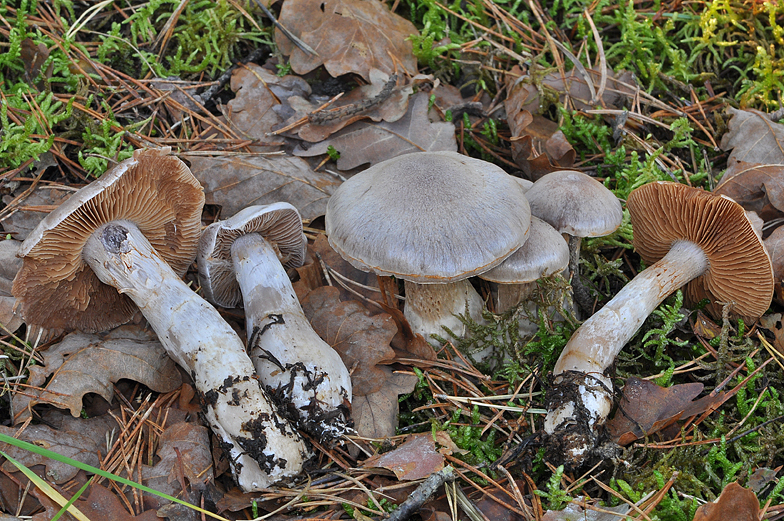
279	223
428	217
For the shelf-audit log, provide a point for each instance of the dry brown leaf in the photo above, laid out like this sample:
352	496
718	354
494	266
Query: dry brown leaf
538	147
372	143
775	246
183	446
81	440
32	209
757	187
351	104
261	102
647	408
311	273
416	458
753	138
101	503
82	364
361	340
236	182
375	415
349	36
735	504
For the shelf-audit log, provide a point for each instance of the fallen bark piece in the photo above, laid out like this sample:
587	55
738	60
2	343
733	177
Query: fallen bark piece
104	254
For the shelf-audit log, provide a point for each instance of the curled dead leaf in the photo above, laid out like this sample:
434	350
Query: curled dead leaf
349	36
647	408
364	142
416	458
83	363
753	138
735	504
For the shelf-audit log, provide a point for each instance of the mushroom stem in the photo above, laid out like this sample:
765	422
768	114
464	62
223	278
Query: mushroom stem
431	306
576	414
301	370
262	447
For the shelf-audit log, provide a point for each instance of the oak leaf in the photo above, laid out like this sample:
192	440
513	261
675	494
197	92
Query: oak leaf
236	182
753	138
647	408
416	458
349	36
735	504
83	363
372	143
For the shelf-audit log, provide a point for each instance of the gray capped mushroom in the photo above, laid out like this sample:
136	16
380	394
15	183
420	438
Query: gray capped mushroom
240	261
433	219
579	206
120	245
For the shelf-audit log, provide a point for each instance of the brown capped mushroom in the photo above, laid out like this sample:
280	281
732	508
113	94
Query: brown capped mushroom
690	238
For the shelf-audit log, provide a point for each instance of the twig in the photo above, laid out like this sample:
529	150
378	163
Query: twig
422	493
307	49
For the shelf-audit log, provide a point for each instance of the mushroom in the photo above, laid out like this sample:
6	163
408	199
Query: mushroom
690	237
543	254
433	219
124	241
240	260
578	206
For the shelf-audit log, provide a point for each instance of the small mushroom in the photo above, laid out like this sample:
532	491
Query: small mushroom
124	241
689	237
578	206
433	219
543	254
240	260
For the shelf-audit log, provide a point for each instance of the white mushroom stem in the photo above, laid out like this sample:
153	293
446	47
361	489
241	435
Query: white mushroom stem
594	346
303	371
431	306
262	447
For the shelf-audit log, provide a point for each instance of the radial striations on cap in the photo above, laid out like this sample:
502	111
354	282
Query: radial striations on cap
428	217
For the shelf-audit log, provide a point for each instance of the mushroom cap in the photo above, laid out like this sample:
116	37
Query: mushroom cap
544	253
279	224
428	217
739	267
575	203
155	191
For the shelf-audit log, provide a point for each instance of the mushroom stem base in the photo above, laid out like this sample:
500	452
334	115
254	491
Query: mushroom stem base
262	448
593	347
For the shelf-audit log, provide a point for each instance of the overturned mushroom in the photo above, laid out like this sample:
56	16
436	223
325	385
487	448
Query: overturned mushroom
124	241
433	219
692	238
238	261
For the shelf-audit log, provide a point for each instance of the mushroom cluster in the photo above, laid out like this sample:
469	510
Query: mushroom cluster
120	245
690	238
433	219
